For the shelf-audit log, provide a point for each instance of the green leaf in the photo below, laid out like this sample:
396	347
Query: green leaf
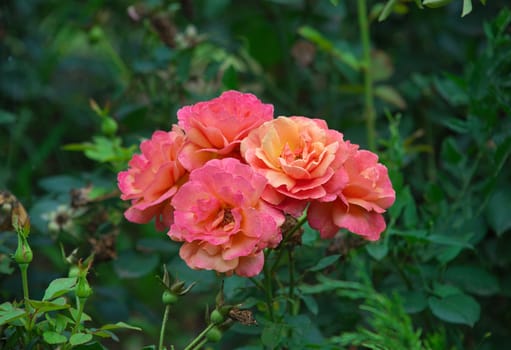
325	262
273	334
91	346
54	338
326	284
310	303
134	265
497	210
445	239
60	183
390	95
302	331
310	236
413	301
435	3
456	124
83	317
502	154
6	117
467	7
473	279
326	45
437	238
452	89
80	338
9	313
230	78
405	205
104	149
378	250
444	290
387	10
46	306
451	152
61	322
460	308
58	287
419	234
214	9
120	325
103	334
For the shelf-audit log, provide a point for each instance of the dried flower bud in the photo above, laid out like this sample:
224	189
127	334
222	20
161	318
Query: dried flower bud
245	317
13	215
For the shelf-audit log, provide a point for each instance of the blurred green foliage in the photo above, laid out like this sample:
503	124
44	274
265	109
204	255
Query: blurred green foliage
439	278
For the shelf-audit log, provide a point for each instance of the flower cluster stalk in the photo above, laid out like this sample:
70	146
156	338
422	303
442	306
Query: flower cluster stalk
24	282
268	289
163	326
200	338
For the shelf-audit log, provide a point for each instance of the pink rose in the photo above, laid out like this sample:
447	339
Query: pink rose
222	220
299	157
153	178
215	128
361	202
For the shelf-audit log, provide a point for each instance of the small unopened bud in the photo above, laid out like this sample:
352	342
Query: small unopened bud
214	335
219	300
168	298
83	289
109	126
23	254
216	317
95	34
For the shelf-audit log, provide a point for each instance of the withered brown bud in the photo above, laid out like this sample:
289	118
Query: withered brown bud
80	196
303	52
245	317
13	215
287	228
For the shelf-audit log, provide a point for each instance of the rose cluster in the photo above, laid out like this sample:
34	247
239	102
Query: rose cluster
222	180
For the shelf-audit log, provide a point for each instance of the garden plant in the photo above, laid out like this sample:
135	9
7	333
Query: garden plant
273	174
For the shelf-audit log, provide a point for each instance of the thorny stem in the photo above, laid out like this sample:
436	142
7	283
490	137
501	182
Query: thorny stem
268	288
269	272
163	326
291	278
370	114
287	235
